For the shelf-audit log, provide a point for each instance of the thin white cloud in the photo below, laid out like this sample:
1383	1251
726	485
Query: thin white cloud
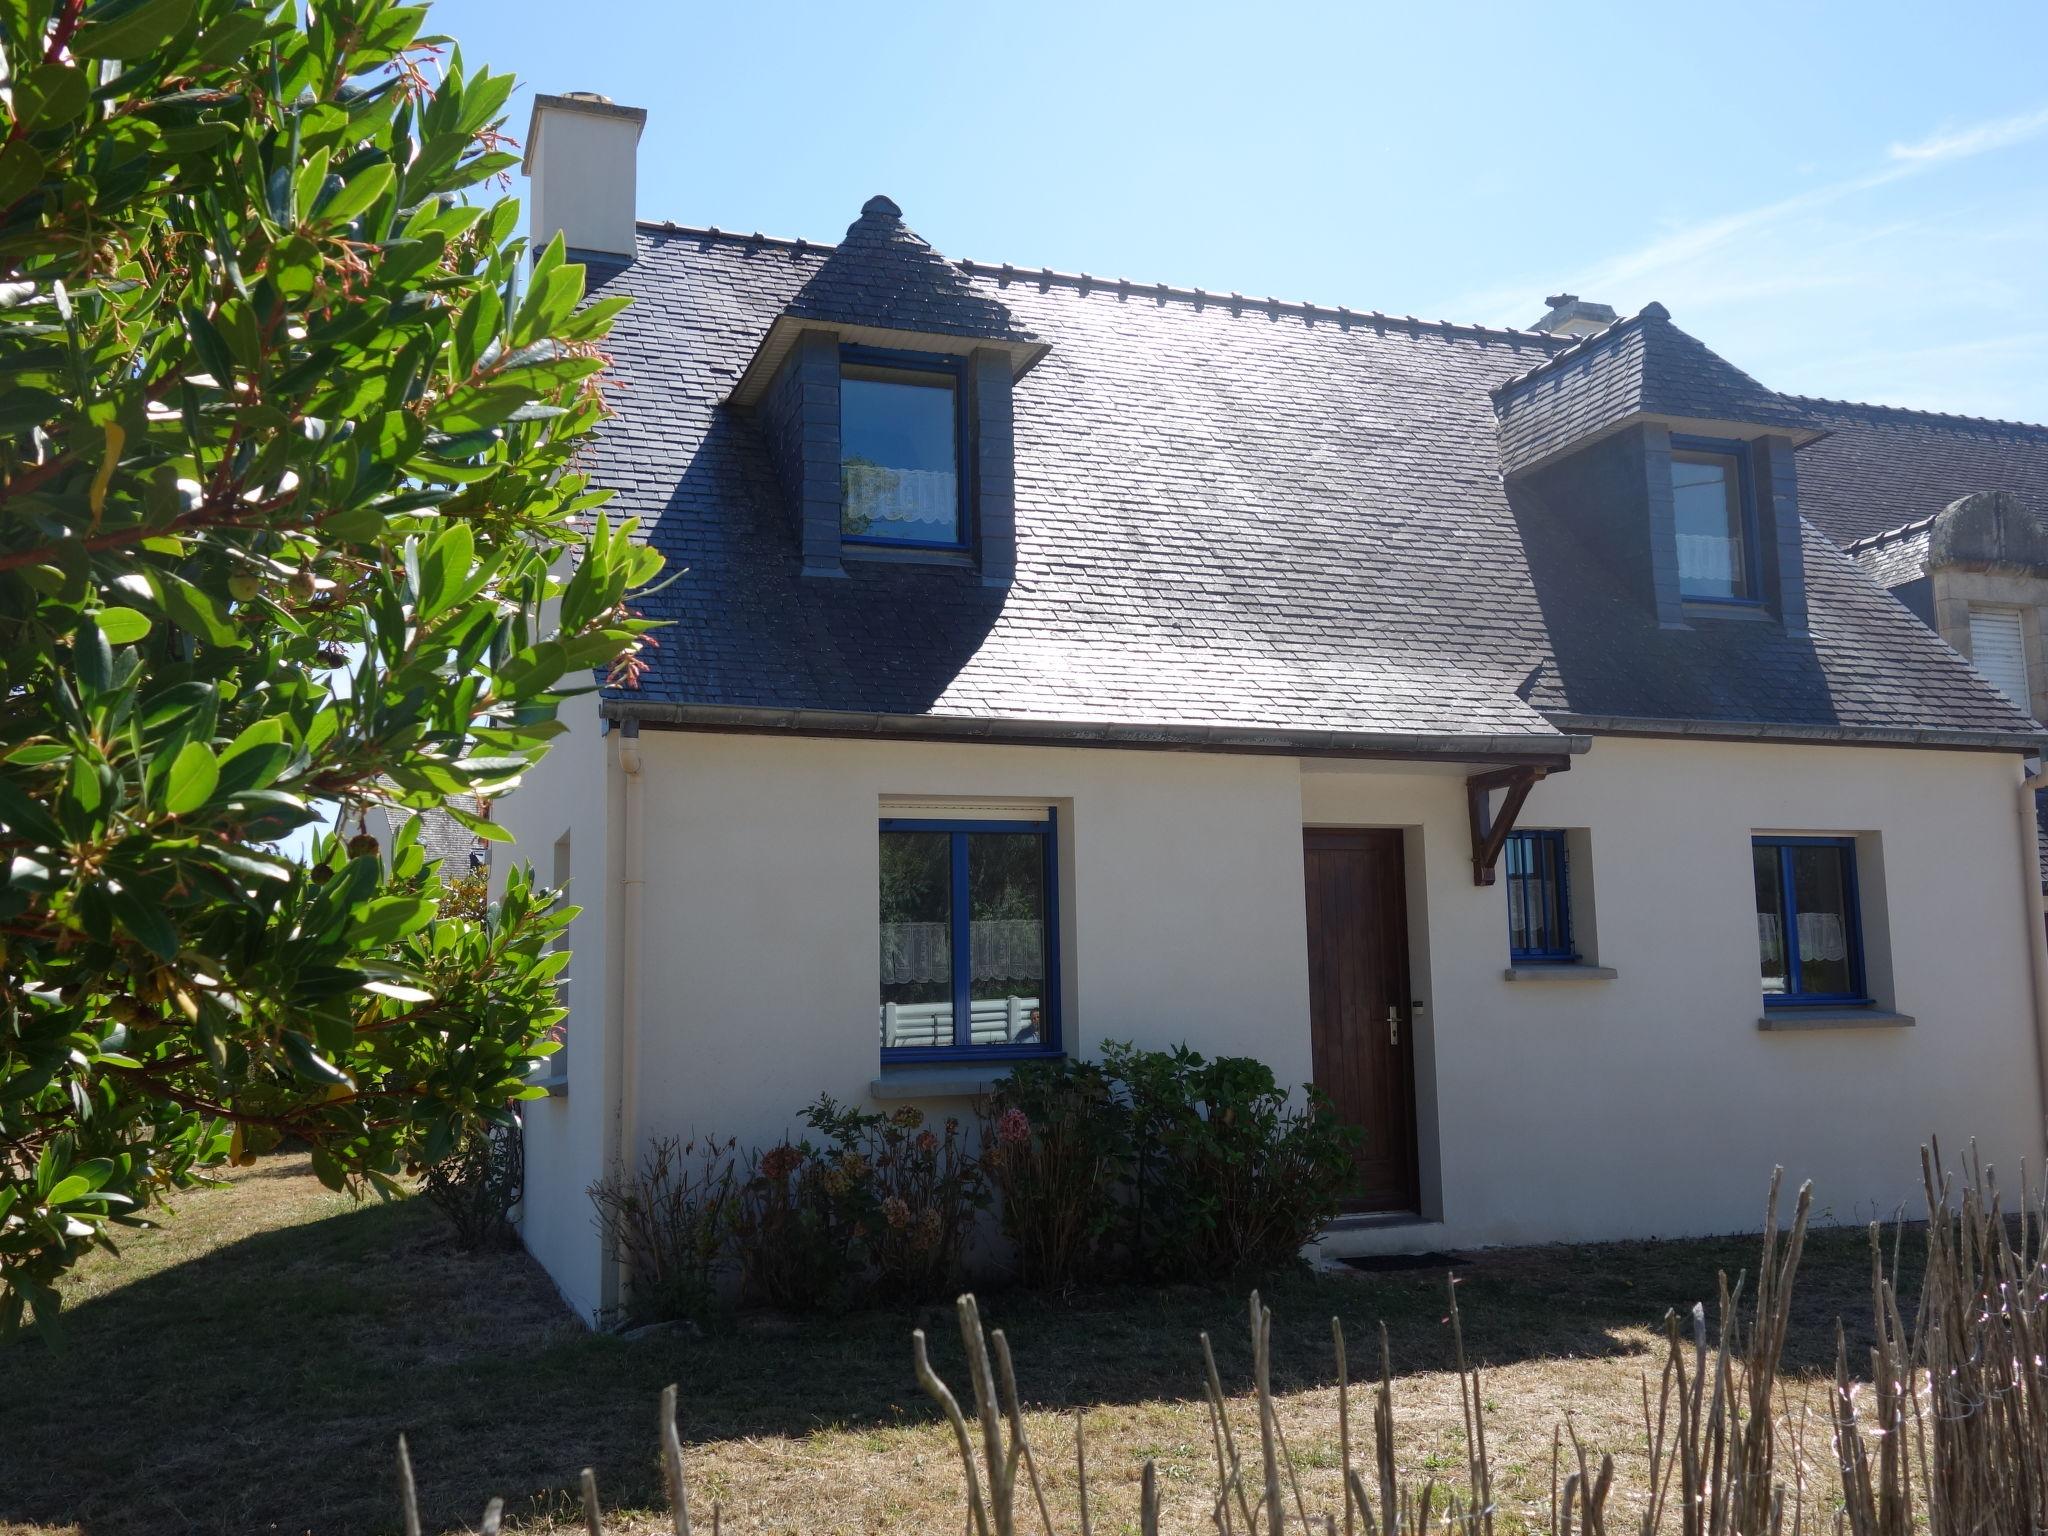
1681	251
1961	143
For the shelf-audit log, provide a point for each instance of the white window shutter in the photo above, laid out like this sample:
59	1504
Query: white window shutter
1998	644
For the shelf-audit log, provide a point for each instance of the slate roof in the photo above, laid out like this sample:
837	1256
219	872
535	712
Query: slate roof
1238	521
1639	366
882	274
1895	557
1881	468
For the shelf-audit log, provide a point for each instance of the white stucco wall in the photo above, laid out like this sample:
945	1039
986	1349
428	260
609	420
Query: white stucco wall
1649	1104
566	1134
1182	898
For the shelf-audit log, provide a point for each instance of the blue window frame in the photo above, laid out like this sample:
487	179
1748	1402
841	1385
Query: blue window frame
1713	496
1809	922
902	450
1539	899
985	893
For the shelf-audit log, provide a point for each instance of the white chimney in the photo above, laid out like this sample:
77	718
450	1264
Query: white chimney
580	154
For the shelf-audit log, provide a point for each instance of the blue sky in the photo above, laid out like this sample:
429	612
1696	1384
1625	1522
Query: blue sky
1848	201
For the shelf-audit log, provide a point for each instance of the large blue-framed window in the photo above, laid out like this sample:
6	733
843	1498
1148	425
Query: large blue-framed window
1539	899
1713	500
1809	928
970	939
902	426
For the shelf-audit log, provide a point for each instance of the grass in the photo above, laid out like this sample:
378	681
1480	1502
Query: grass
249	1366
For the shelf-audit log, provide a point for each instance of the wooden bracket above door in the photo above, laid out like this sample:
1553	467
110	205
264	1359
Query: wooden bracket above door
1490	828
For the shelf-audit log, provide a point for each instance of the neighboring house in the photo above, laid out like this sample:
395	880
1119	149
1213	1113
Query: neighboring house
462	853
1950	515
1465	720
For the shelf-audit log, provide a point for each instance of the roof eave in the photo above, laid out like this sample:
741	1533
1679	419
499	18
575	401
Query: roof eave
2030	744
1688	426
785	328
1531	748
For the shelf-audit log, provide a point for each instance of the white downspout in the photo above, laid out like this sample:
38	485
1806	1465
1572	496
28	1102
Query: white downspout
620	1151
2036	909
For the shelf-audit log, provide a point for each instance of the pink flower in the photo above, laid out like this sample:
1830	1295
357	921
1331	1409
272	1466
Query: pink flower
1014	1128
927	1143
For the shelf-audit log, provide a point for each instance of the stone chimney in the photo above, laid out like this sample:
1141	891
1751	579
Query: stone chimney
580	154
1570	315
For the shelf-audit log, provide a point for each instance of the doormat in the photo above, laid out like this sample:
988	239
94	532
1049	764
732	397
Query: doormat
1390	1263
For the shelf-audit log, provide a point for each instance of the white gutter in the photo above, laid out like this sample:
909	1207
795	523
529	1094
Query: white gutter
2036	908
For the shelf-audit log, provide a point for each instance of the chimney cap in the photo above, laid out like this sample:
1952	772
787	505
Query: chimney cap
589	104
1570	315
880	207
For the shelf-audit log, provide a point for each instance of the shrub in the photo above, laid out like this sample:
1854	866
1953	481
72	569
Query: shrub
288	468
477	1186
918	1199
1229	1175
669	1223
1055	1146
799	1213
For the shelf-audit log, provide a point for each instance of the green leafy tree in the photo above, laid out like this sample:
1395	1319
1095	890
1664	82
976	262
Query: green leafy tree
288	516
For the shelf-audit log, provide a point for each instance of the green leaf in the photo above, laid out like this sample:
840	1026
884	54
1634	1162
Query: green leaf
200	613
136	31
309	1063
145	919
21	168
122	626
194	774
361	191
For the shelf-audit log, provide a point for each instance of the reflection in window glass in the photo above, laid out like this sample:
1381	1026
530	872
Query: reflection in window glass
1006	932
1713	554
1808	945
1539	919
968	925
898	456
917	939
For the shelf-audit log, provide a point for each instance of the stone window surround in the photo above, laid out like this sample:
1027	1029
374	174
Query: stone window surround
1957	589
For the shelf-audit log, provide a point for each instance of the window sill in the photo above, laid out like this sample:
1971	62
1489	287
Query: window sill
1871	1017
1541	972
962	1082
906	554
1742	612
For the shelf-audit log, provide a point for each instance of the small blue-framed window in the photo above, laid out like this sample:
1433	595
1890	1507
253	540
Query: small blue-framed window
1809	925
970	939
1539	898
902	464
1713	502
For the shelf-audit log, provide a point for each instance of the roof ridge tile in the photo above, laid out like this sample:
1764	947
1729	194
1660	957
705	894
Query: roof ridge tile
1085	282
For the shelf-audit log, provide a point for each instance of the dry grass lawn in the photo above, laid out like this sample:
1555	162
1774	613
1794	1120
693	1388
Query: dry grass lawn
249	1367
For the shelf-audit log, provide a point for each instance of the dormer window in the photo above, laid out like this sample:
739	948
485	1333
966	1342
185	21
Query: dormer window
899	450
1715	509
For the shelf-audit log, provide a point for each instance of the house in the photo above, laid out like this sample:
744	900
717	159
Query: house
1950	515
1469	721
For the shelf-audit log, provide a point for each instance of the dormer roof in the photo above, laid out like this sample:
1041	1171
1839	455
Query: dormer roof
1639	367
884	286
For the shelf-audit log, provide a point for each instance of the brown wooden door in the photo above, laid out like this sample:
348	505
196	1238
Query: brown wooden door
1359	1024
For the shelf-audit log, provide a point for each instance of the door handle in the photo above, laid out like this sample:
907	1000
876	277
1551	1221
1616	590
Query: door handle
1393	1024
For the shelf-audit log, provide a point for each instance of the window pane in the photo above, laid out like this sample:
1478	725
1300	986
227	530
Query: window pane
1006	923
1820	898
917	939
1770	920
1706	493
898	475
1539	927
